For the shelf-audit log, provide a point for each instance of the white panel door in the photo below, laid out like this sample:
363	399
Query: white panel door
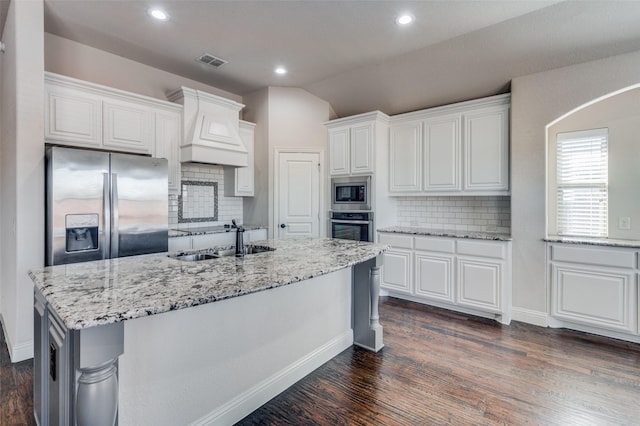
405	150
601	297
442	154
73	117
396	273
479	284
362	149
128	127
486	150
298	195
434	276
339	151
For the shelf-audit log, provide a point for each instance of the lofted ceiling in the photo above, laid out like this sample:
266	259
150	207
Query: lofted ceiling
351	52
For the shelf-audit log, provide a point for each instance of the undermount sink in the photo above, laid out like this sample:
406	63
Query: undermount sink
217	253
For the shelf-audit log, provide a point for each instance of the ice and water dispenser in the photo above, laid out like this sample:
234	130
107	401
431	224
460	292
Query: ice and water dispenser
81	232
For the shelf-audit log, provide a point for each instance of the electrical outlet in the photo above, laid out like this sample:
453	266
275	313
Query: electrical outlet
624	222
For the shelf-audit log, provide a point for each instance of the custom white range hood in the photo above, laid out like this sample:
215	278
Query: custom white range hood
210	126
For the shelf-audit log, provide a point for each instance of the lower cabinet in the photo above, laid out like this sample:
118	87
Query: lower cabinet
594	286
472	276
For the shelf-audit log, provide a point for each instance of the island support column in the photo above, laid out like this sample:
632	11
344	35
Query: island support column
367	331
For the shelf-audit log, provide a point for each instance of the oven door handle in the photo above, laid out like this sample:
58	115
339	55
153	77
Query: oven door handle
352	222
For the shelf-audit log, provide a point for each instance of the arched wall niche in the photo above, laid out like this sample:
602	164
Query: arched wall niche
619	112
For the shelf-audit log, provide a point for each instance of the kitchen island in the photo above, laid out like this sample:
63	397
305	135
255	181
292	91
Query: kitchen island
104	352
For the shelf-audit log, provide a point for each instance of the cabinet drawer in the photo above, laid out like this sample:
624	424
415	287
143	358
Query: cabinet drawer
497	250
445	245
619	258
394	240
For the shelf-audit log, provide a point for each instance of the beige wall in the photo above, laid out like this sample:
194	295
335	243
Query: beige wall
63	56
288	118
537	100
22	171
620	114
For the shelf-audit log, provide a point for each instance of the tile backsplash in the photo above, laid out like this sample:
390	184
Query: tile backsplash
228	207
482	214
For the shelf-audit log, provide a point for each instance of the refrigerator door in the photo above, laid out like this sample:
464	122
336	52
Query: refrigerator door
77	206
139	191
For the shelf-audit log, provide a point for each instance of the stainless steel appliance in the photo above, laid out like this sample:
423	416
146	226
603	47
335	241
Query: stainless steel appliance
351	225
103	205
351	193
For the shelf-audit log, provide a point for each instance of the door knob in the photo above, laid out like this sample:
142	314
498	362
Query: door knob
282	225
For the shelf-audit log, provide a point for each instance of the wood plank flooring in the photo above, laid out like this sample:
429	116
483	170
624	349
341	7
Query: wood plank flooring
439	367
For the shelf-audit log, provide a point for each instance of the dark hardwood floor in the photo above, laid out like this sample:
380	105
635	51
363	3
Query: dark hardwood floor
439	367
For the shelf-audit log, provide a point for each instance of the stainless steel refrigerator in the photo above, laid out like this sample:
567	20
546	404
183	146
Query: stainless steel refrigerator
103	205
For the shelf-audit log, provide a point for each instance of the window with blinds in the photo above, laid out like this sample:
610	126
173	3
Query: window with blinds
582	177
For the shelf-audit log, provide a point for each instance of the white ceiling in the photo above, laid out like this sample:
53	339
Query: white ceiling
351	53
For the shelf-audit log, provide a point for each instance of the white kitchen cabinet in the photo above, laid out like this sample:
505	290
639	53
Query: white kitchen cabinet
128	126
442	148
83	114
472	276
203	241
351	150
595	287
180	243
239	181
459	149
486	147
72	116
405	153
398	261
213	240
352	143
167	139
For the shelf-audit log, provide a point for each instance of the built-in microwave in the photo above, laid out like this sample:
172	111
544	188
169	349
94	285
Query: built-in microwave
351	193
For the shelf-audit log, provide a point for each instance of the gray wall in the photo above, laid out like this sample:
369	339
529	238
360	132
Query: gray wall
537	100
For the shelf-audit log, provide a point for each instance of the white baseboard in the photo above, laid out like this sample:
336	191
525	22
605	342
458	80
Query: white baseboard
529	316
19	352
247	402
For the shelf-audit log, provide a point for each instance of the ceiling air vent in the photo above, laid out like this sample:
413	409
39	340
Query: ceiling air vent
211	60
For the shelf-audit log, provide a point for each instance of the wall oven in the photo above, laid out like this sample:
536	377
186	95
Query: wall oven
351	193
356	226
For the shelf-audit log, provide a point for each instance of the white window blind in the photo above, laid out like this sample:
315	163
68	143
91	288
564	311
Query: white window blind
582	177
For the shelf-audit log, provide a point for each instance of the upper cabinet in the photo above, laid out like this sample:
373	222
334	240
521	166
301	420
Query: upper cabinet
352	144
239	181
88	115
452	150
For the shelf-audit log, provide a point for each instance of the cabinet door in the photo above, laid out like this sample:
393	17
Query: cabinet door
396	273
600	297
73	117
362	149
255	235
405	152
128	127
442	154
486	150
479	284
339	152
434	276
213	240
179	243
168	136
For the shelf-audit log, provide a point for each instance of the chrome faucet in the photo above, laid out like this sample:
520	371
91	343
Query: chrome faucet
239	238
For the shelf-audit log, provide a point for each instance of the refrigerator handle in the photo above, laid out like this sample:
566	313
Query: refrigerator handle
115	233
106	217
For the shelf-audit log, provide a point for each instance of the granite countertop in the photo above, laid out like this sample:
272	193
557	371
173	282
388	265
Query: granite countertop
202	230
611	242
107	291
447	233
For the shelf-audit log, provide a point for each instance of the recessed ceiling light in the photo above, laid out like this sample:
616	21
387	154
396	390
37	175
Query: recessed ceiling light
158	14
405	19
280	70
